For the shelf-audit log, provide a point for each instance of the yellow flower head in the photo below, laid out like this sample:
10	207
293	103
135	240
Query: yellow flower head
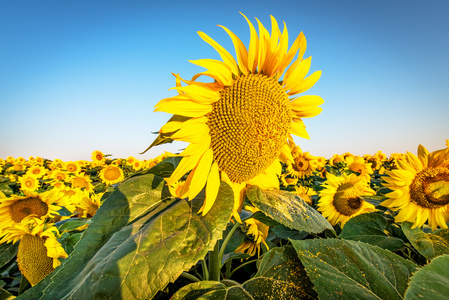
98	157
73	167
420	188
336	158
340	199
39	250
89	205
111	174
28	183
36	171
256	234
229	122
305	193
303	163
360	166
15	208
82	181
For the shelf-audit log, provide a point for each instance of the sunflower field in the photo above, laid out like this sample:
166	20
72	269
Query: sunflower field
241	213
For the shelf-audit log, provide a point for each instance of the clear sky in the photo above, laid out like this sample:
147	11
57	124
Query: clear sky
78	76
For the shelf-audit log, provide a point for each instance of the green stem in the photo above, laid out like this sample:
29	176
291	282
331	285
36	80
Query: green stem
205	270
214	263
227	239
189	276
241	266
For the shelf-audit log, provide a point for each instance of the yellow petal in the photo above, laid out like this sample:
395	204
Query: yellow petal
199	93
305	84
218	70
296	73
191	133
200	174
240	49
183	107
186	164
253	47
212	187
298	128
224	54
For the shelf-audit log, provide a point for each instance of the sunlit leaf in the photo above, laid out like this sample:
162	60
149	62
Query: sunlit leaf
288	209
211	290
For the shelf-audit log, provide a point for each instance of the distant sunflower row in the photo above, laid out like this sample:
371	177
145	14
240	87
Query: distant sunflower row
38	197
37	194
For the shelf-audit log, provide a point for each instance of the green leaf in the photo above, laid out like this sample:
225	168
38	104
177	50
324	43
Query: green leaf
211	290
281	275
287	233
370	228
260	216
143	240
164	138
7	252
343	269
430	245
431	281
71	224
165	168
288	209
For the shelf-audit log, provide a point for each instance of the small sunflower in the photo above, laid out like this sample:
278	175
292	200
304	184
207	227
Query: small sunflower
36	171
229	122
303	165
256	234
39	250
305	193
28	183
130	160
82	181
340	199
111	174
137	165
89	205
98	158
58	175
360	166
73	167
15	208
420	188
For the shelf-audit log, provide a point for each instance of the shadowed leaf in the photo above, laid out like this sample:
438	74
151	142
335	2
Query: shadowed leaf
343	269
430	245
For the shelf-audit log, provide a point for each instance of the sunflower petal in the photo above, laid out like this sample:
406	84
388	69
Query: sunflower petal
298	128
212	187
201	173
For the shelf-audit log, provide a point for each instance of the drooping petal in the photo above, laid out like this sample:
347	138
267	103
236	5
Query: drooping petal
200	174
212	187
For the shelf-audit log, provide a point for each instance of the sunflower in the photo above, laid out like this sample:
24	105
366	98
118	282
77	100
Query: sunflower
303	163
340	199
73	167
238	125
88	206
82	181
420	188
111	174
360	166
28	183
256	233
39	250
36	171
15	208
98	158
305	193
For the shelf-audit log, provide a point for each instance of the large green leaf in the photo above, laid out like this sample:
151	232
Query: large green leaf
431	281
158	238
370	228
7	252
430	245
288	209
344	269
280	275
211	290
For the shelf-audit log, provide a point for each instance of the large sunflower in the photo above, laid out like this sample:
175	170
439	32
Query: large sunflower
39	250
15	208
420	188
238	125
340	199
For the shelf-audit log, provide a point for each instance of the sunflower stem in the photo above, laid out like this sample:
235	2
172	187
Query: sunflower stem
241	266
214	263
205	270
189	276
226	240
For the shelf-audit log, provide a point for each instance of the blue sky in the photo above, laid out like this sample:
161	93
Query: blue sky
79	76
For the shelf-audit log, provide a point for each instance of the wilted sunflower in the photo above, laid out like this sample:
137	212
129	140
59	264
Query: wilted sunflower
340	199
111	174
420	188
256	234
39	250
15	208
238	125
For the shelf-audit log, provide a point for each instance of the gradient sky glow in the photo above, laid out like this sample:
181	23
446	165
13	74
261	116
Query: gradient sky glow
79	76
